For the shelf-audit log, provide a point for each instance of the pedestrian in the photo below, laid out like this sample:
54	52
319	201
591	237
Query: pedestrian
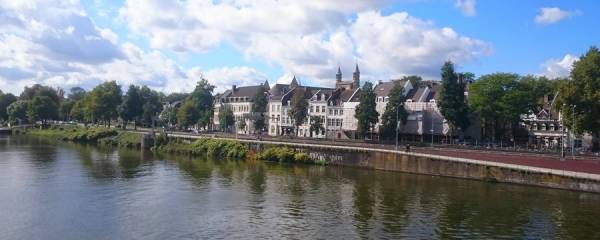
407	147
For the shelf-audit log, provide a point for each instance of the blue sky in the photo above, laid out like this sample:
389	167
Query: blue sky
169	45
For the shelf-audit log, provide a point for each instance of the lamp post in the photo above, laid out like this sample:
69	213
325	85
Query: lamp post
562	138
573	138
398	123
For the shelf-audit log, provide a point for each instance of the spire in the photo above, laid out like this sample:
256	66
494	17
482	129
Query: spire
338	76
266	84
294	82
356	77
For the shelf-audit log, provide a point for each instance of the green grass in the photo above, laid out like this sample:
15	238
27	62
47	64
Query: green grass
286	154
73	133
214	148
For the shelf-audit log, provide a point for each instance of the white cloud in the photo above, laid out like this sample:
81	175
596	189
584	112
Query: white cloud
552	15
223	78
554	68
306	38
467	7
56	44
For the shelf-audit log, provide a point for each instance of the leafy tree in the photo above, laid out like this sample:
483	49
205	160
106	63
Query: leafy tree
76	94
414	80
41	108
226	118
316	125
17	111
131	107
500	99
452	99
259	107
152	105
64	109
77	111
395	105
203	100
580	97
187	114
242	124
299	107
366	113
39	90
5	100
174	97
103	101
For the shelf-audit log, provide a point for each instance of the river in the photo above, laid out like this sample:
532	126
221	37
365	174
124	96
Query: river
54	190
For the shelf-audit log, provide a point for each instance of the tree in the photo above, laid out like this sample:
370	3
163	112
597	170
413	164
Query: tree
259	107
17	111
151	105
187	114
203	100
366	112
299	107
395	105
452	99
316	125
64	109
226	118
41	108
500	99
242	124
103	101
76	94
39	90
77	111
579	98
414	80
131	107
6	99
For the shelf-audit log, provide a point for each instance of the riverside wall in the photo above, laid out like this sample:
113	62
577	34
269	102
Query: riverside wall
419	163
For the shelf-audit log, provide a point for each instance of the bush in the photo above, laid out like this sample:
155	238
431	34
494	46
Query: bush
283	154
210	147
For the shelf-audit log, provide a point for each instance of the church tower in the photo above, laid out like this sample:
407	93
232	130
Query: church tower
356	77
338	75
294	82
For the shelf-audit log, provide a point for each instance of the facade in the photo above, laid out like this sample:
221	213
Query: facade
239	100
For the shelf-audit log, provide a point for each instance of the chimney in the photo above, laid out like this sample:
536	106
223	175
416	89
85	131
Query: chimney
233	87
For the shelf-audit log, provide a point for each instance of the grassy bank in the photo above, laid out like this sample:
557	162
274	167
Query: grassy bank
285	154
214	148
209	147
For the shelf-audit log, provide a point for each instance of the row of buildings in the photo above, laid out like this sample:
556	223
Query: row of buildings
336	107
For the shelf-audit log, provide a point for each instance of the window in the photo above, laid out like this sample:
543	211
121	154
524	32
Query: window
317	109
330	111
341	112
311	108
278	108
335	112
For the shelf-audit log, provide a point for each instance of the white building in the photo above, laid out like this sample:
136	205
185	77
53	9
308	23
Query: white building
240	101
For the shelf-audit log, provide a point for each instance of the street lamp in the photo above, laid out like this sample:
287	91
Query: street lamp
573	138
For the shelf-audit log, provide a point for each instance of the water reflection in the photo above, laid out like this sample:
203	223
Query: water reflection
132	194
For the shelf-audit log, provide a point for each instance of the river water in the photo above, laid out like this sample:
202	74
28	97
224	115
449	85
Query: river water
51	190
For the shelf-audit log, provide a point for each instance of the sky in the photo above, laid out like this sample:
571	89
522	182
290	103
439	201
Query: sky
170	45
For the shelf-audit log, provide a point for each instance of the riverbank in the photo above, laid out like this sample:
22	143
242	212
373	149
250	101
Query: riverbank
214	148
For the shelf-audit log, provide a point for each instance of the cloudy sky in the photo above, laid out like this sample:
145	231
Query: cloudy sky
169	45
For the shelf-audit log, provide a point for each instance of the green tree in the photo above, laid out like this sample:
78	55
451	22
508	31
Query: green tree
242	124
414	80
151	105
316	125
41	108
366	112
579	98
187	114
299	107
226	118
130	108
39	90
64	109
6	99
103	102
76	94
203	100
500	99
452	99
259	107
395	105
17	111
77	111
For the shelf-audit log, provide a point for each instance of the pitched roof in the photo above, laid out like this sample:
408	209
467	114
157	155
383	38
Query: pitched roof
382	89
